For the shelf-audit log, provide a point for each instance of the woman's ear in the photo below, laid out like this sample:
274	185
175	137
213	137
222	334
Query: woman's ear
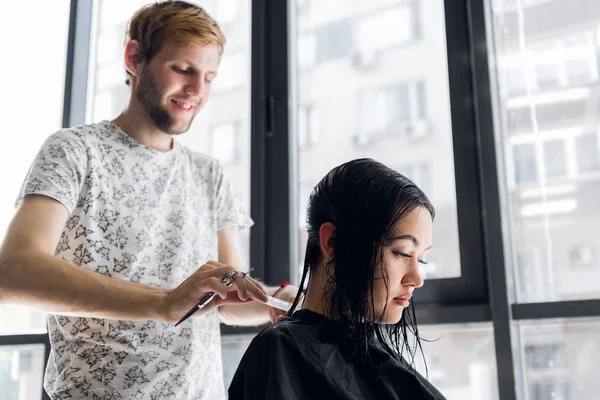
327	239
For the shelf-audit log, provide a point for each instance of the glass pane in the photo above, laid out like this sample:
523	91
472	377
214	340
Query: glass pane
550	141
547	76
588	152
579	71
222	128
27	126
515	81
555	163
372	103
525	163
461	362
559	359
233	349
333	40
20	319
21	372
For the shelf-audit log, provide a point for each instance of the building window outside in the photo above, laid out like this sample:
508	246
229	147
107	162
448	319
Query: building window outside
587	152
550	65
397	110
555	159
308	126
525	164
334	41
566	156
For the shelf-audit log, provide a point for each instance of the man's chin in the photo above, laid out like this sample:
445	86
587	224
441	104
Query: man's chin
179	128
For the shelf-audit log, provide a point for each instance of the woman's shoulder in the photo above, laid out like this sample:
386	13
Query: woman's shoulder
288	328
295	333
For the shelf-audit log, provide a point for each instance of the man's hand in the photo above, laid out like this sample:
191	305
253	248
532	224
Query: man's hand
288	294
205	280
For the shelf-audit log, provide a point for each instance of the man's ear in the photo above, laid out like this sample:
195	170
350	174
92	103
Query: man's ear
327	238
133	57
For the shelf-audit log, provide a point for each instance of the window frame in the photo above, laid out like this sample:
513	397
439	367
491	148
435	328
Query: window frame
481	293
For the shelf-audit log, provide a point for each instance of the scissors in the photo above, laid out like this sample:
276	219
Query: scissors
227	280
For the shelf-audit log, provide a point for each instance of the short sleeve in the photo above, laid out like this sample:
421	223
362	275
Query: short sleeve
230	212
58	170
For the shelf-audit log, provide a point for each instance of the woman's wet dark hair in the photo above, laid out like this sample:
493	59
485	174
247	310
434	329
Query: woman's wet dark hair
363	199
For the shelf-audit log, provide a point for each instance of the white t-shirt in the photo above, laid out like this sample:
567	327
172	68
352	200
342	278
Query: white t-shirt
139	215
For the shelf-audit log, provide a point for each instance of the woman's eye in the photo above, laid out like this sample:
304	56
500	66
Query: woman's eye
404	255
401	254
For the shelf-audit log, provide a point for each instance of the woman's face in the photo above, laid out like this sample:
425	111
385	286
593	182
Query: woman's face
402	257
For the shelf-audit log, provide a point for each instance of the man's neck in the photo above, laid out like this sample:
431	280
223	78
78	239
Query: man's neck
142	129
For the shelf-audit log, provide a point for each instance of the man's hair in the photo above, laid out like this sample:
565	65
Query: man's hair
176	20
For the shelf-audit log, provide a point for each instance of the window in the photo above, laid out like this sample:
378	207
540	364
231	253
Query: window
559	358
399	104
398	110
555	162
515	81
534	277
550	390
417	27
21	372
588	152
308	127
334	41
583	257
547	76
360	116
545	356
373	112
385	28
579	71
460	360
233	348
420	101
525	163
30	126
558	138
561	62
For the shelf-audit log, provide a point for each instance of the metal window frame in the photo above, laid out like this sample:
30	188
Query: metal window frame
470	287
481	294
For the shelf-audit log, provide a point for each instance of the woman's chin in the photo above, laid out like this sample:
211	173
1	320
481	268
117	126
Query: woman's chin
392	318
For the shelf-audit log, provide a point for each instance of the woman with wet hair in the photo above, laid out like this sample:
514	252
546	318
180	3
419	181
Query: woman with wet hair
355	337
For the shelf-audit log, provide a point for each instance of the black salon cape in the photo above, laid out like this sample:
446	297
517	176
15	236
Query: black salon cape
299	359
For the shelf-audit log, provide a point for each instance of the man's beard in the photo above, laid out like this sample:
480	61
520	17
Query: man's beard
149	96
